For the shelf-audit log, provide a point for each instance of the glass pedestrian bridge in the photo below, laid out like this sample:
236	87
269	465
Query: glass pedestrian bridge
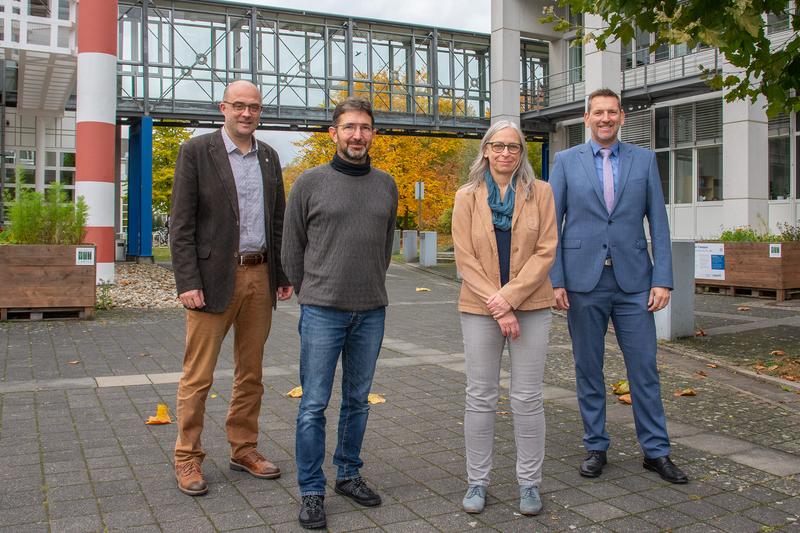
175	58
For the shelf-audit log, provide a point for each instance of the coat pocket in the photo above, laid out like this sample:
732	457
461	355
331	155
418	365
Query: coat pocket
203	251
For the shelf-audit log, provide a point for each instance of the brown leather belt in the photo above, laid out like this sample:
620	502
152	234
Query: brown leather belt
251	259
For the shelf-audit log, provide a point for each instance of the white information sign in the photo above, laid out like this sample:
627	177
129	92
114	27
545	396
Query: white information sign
709	260
84	256
775	250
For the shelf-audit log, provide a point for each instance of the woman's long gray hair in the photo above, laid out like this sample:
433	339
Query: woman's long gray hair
523	172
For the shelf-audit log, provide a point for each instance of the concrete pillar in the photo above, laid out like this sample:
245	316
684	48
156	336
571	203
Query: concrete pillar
601	68
41	152
95	125
427	248
396	242
410	245
745	187
677	319
505	63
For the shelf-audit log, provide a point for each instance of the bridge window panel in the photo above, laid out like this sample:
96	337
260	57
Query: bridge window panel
316	97
337	55
421	62
709	174
400	55
159	34
443	70
337	92
130	82
316	56
269	89
130	34
684	176
423	101
199	38
361	69
239	43
266	46
292	53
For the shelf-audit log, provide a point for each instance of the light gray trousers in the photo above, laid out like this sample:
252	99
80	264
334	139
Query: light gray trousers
483	348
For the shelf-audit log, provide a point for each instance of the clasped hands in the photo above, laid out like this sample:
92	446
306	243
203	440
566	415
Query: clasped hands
502	312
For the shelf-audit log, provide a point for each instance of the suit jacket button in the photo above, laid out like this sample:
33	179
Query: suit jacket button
605	246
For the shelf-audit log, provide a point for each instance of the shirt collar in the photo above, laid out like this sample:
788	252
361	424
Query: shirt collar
230	146
596	147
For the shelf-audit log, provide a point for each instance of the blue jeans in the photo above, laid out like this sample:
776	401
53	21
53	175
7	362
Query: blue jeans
325	333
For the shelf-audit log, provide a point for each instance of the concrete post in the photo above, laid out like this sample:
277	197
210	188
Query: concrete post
745	169
427	248
41	152
410	245
396	242
677	319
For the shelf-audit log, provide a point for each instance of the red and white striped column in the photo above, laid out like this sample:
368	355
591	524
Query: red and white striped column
95	119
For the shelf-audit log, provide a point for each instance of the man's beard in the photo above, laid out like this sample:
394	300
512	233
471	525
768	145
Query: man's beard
351	154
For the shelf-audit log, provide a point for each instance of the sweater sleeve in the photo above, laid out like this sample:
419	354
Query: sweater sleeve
295	237
392	224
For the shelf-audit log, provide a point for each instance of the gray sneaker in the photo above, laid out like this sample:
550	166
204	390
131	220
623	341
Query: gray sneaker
529	501
474	499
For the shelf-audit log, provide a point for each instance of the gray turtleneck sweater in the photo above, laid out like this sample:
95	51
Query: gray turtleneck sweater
337	238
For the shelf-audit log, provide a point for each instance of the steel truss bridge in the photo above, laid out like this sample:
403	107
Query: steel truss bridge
175	58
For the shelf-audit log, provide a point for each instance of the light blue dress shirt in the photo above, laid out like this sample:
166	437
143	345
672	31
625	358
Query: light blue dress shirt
598	162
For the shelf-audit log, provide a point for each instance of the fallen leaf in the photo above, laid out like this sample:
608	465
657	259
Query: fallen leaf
712	365
699	333
742	308
144	354
75	362
213	394
759	367
375	398
620	387
296	392
772	367
685	392
777	353
162	415
503	412
789	377
625	398
702	374
423	289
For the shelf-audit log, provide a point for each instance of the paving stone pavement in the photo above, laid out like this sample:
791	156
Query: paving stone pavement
75	454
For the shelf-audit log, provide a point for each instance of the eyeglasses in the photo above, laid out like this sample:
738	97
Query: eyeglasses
241	106
498	147
350	129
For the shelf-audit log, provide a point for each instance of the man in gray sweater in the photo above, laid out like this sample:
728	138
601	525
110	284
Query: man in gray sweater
337	244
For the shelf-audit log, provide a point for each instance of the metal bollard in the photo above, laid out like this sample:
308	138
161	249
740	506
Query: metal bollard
677	318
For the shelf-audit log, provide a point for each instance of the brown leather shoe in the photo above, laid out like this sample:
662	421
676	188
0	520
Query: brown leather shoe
256	465
190	478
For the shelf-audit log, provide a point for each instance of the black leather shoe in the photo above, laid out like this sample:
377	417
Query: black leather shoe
312	512
358	491
592	466
665	468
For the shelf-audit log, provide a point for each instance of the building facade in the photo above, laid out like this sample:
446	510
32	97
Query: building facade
722	164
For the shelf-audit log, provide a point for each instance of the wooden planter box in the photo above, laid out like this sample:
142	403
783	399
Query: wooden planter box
41	281
750	269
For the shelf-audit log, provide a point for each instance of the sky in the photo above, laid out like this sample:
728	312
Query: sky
465	15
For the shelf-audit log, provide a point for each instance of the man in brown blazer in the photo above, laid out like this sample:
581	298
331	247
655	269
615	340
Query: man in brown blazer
225	235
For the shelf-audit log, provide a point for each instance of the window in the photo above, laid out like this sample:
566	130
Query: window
636	52
662	128
709	174
683	176
575	134
777	22
662	159
575	61
575	18
778	158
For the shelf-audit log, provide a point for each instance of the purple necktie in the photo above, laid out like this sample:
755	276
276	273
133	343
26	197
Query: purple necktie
608	179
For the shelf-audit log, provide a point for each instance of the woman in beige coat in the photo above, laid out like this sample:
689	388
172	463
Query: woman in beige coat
504	233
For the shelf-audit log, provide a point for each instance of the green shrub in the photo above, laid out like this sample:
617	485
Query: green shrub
36	218
787	233
445	223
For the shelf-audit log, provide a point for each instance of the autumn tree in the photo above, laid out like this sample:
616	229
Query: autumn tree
738	28
166	142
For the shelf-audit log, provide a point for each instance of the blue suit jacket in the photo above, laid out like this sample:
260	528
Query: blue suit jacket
588	233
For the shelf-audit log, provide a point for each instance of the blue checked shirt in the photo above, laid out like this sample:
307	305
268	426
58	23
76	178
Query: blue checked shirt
250	194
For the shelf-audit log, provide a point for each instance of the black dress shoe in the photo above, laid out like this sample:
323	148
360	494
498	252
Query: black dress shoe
312	512
592	466
357	490
666	469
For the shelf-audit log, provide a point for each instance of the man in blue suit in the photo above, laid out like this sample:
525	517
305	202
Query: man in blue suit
604	190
